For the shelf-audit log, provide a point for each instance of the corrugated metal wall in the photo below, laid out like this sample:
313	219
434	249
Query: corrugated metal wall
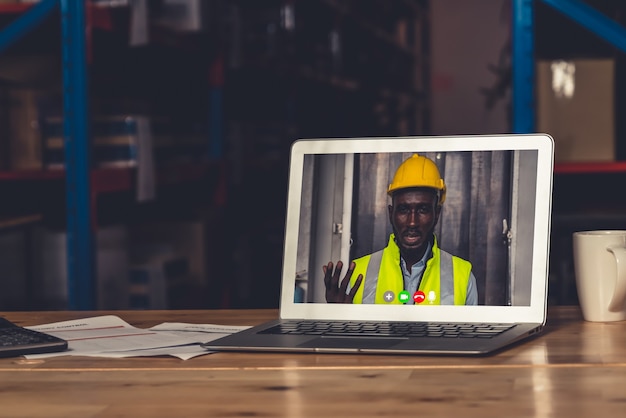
471	224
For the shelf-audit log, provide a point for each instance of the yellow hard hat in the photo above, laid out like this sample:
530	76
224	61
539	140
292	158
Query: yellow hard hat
418	171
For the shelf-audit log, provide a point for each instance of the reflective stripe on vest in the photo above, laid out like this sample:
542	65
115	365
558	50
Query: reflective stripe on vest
446	269
369	286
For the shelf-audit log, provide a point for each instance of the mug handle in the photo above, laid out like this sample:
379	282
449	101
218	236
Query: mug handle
619	294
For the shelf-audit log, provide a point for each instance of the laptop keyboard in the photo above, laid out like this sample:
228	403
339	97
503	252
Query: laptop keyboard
389	329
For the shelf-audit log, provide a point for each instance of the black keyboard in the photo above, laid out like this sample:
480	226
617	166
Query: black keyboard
18	341
389	329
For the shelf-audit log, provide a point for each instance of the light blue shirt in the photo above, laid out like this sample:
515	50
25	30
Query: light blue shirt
413	278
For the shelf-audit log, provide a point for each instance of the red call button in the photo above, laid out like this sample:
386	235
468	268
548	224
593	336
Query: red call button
419	296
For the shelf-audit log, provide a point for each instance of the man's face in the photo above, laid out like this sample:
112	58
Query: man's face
413	215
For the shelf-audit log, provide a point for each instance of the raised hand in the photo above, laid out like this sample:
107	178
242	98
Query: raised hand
336	291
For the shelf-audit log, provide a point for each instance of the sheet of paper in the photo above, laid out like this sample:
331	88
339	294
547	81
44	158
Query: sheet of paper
200	328
183	352
110	336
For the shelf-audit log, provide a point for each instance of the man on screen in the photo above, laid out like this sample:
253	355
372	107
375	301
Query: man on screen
412	268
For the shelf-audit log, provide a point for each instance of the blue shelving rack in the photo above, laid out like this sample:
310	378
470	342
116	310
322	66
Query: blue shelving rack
523	66
523	49
80	246
80	242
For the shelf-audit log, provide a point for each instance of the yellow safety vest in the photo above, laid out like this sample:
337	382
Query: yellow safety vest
382	272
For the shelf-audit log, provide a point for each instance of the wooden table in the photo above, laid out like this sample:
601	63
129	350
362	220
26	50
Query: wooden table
574	368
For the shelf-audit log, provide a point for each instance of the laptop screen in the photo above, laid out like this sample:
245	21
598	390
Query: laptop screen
443	221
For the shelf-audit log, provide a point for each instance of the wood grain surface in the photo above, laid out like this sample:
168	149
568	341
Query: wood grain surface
574	368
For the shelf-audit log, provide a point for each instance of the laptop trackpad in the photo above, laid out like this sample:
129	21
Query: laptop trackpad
352	342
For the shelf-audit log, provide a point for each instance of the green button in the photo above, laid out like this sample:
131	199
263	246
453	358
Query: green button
404	296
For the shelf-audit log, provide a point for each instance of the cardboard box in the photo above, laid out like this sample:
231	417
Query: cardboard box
22	110
21	113
575	104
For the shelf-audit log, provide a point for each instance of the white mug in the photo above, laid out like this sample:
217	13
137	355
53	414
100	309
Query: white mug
600	269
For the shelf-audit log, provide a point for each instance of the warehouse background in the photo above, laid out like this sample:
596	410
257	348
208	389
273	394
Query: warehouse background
193	106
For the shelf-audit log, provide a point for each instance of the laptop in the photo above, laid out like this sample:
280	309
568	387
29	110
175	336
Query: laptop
496	216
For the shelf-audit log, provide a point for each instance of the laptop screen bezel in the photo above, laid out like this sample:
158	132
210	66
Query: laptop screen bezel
534	312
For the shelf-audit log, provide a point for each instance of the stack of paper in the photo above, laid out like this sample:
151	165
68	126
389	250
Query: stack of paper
110	336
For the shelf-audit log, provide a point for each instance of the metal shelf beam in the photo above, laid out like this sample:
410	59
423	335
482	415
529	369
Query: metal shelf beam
80	244
590	18
523	66
25	23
